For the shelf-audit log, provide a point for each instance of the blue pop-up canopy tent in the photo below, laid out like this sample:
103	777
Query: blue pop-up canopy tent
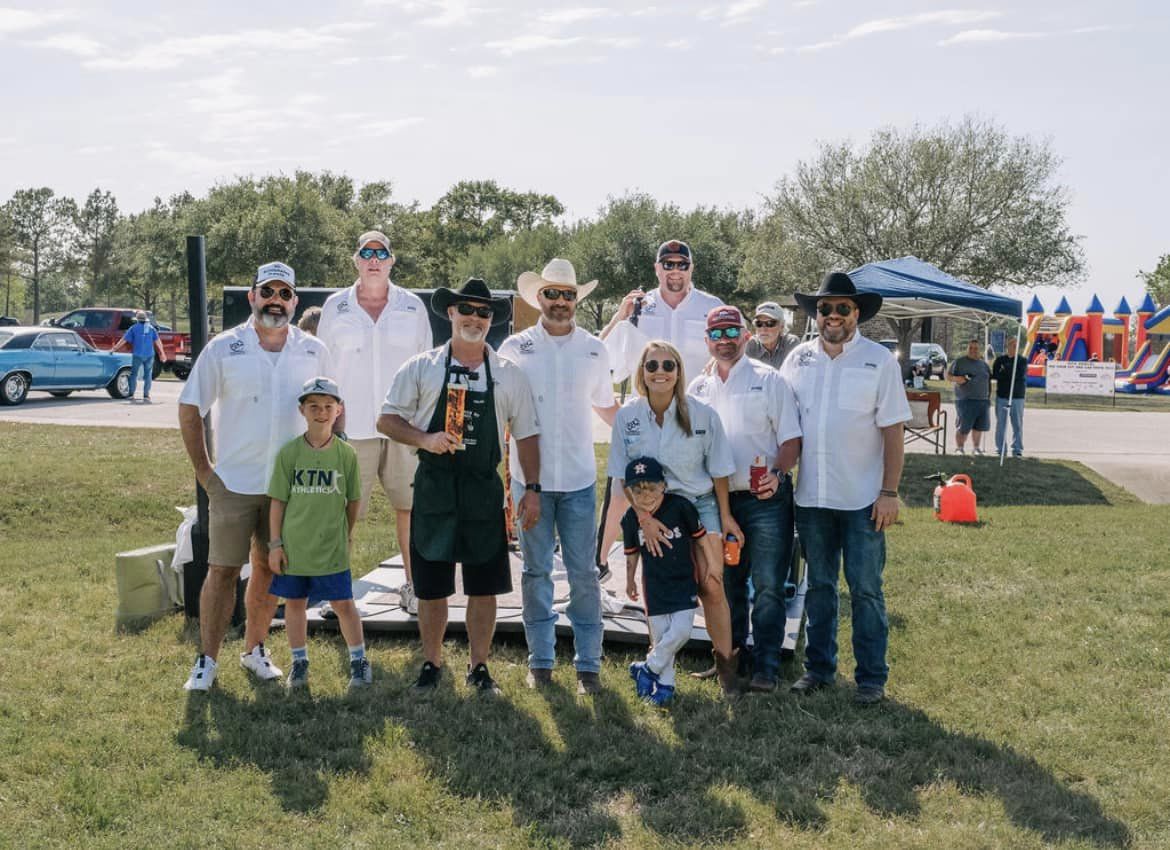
913	289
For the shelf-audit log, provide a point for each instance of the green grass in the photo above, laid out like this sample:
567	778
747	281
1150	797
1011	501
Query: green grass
1028	707
1036	397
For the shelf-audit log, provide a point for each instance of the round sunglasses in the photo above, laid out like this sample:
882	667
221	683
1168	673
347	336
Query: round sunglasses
716	334
671	265
667	365
284	293
840	308
370	253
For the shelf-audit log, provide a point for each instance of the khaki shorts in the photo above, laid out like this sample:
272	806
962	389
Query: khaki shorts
234	519
391	463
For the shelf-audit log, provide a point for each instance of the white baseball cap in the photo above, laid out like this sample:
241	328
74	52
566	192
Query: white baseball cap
276	271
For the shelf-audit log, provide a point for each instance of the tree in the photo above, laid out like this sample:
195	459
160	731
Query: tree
981	205
37	216
501	261
1158	281
95	223
151	253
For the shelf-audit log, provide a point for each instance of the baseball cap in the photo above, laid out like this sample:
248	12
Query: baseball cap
674	246
772	310
373	236
724	317
643	469
319	386
276	271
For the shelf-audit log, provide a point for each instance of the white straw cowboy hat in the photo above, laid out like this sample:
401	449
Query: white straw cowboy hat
558	272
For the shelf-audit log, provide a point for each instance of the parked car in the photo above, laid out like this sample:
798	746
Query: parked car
8	321
103	327
933	352
59	362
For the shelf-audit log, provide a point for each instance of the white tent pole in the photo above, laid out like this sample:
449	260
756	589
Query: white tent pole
1011	394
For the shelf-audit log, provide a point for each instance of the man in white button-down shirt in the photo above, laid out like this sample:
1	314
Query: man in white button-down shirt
249	378
372	328
569	373
852	407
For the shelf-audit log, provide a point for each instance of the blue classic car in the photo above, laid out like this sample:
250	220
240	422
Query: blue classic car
57	361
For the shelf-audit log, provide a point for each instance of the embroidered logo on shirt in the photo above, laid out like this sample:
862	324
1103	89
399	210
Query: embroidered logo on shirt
343	305
593	354
700	431
757	389
871	365
527	347
806	358
237	347
633	427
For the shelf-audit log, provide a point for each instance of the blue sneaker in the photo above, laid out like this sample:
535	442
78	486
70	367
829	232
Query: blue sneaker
663	695
644	678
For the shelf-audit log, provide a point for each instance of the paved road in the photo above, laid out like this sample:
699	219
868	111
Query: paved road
1130	449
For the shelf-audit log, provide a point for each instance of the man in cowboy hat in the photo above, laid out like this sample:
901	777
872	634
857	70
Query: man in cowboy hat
372	328
770	344
569	373
852	406
458	512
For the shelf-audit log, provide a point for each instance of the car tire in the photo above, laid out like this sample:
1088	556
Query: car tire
14	389
156	369
119	387
181	372
61	393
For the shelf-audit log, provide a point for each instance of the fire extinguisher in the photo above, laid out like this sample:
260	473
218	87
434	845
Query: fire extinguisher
954	498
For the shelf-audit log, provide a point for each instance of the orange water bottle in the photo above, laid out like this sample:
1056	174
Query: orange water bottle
955	502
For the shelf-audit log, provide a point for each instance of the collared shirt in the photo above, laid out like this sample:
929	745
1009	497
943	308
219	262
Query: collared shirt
844	402
689	463
252	395
141	337
775	358
367	354
419	384
568	375
684	327
758	412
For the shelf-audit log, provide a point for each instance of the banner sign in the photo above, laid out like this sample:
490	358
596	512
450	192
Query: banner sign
1085	378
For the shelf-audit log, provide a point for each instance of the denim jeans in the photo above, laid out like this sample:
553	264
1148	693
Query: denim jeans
1016	414
764	558
572	516
147	364
830	536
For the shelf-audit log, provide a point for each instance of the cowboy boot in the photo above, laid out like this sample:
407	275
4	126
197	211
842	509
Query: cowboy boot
726	667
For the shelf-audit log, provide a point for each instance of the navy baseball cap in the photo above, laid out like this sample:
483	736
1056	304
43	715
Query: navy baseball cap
644	469
674	246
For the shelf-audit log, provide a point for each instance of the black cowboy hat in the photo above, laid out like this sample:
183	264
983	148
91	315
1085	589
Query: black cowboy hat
840	285
475	291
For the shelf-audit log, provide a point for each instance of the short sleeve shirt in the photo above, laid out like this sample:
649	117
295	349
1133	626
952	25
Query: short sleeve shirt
978	388
689	463
252	396
367	354
141	337
775	358
844	402
569	375
317	484
668	583
684	327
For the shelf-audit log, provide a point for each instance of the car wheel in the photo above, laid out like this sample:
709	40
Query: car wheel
156	369
61	393
181	372
119	387
14	388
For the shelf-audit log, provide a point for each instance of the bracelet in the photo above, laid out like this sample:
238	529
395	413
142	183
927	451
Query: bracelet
276	543
893	493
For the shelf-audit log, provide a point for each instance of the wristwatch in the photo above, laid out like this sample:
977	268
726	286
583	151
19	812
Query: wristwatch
533	486
275	543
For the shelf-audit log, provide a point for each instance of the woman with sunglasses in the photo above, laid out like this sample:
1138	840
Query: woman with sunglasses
686	437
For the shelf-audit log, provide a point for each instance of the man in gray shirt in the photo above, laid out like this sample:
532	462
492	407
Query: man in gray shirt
770	344
972	379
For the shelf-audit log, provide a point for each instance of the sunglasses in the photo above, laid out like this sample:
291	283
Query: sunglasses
841	309
667	366
466	309
765	323
370	253
554	294
716	334
671	265
284	293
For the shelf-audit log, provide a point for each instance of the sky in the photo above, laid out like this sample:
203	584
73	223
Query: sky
692	102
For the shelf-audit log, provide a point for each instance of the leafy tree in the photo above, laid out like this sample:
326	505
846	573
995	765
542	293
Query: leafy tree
38	217
1158	281
502	260
977	203
152	263
95	224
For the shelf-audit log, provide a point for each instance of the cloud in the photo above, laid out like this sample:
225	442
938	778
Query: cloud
944	17
529	43
22	20
574	16
480	72
742	10
382	127
172	52
75	43
679	44
437	13
621	42
990	36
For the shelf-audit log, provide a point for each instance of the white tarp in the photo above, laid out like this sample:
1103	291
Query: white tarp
1086	378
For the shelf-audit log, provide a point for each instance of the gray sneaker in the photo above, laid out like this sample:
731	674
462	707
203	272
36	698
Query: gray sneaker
298	677
361	675
869	695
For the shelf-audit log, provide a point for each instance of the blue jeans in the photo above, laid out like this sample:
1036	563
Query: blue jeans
1016	414
827	535
767	551
573	517
147	364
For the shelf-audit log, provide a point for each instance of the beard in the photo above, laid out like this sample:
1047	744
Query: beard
471	333
835	333
271	320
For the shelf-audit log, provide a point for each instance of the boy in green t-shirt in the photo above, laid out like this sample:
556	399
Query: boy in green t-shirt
317	488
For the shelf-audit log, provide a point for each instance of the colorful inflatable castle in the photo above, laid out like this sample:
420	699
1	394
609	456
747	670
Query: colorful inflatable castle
1095	336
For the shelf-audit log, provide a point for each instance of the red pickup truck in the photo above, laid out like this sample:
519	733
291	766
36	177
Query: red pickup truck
103	327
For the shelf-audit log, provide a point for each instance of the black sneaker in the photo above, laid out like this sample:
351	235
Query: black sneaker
869	695
428	678
480	679
603	573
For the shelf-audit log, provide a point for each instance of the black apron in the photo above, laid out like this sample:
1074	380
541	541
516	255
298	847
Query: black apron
459	497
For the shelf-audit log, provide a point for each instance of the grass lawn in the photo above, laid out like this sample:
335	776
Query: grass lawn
1036	398
1029	697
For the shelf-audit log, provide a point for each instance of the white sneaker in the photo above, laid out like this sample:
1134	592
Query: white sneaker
202	674
258	663
407	601
959	450
978	450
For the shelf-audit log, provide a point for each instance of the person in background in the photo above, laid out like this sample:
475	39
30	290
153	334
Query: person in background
1009	397
142	337
770	344
972	379
310	319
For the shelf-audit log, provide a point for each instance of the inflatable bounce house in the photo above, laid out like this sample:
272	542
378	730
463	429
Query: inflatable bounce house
1094	336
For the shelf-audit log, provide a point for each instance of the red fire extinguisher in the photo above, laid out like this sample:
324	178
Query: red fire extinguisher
954	499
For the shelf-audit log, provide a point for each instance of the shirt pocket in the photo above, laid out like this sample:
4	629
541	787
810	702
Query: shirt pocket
858	389
751	412
241	376
402	333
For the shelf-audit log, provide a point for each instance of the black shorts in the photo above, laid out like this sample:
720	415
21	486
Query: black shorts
436	579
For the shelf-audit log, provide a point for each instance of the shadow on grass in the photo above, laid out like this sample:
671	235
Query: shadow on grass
1020	481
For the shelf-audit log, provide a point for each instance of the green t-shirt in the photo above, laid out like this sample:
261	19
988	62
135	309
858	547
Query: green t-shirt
316	484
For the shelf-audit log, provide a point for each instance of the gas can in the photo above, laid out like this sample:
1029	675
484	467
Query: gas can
955	501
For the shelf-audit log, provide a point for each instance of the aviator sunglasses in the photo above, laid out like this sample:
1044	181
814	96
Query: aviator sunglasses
369	253
667	365
466	309
554	294
716	334
765	323
840	308
671	265
268	292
